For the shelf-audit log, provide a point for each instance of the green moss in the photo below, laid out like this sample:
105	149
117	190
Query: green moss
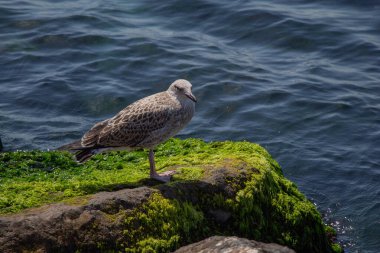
270	208
331	235
33	178
337	248
30	179
262	204
162	225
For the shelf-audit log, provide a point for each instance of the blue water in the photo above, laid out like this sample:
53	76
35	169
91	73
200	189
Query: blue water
302	78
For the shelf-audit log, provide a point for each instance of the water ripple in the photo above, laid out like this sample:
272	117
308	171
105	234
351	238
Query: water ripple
300	78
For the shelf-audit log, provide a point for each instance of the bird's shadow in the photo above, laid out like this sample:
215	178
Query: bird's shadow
219	181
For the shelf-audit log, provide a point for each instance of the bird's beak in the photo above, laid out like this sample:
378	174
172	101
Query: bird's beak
191	96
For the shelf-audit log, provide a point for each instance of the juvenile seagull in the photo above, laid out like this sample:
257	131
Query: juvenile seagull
143	124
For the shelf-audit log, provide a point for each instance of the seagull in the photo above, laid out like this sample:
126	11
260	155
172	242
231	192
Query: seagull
141	125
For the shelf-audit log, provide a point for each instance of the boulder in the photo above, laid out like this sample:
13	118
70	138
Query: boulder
221	188
218	244
66	228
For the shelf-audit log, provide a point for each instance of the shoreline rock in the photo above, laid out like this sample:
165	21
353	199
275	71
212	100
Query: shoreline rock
238	190
233	244
66	228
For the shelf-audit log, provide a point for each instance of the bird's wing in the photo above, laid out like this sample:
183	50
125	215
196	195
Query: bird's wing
71	146
135	123
90	139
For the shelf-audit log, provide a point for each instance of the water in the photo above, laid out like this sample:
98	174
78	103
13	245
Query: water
302	78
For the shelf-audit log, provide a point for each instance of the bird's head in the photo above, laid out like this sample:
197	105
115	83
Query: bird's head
181	88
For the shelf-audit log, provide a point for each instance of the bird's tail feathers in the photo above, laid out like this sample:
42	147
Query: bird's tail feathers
83	154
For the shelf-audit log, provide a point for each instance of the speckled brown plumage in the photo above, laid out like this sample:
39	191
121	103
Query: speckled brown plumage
143	124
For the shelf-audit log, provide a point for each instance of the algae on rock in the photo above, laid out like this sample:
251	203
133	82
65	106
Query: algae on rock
222	188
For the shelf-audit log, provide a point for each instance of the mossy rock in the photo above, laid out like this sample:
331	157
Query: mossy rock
222	188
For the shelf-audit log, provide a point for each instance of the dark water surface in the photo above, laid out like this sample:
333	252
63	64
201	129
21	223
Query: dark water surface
302	78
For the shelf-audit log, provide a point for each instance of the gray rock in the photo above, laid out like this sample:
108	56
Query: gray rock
65	228
96	222
222	244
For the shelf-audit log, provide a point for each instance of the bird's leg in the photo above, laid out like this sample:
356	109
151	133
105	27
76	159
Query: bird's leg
163	177
153	172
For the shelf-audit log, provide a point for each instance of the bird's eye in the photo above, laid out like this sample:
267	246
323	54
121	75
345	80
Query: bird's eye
178	88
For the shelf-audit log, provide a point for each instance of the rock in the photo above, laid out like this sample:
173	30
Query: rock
217	244
66	228
222	188
220	216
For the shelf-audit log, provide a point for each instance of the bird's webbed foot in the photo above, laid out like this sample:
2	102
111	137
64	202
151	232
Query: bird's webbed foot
164	176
